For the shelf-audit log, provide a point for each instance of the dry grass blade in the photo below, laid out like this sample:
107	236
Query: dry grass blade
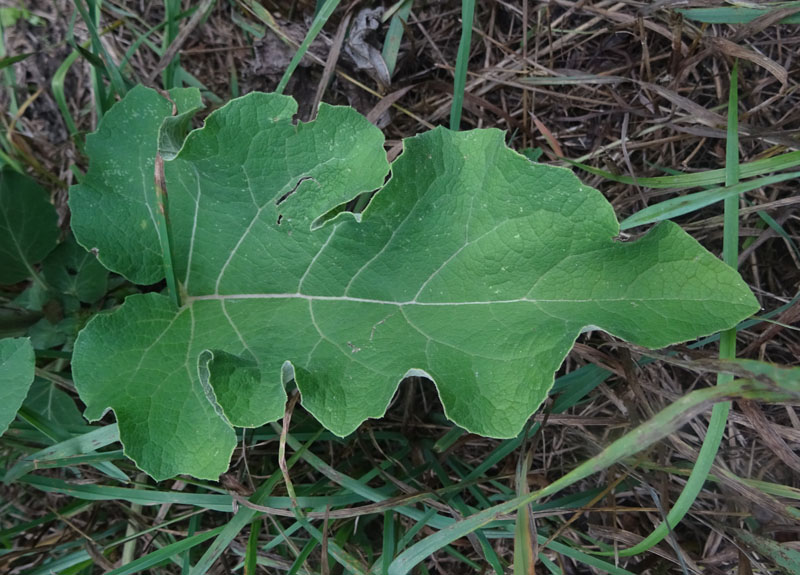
287	419
330	63
386	102
736	51
772	17
771	439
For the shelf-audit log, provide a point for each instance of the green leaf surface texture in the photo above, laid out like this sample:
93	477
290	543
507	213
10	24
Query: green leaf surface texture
73	271
28	226
471	266
54	404
17	363
115	209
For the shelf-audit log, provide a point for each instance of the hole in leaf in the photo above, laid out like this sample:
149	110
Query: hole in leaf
354	206
280	217
293	190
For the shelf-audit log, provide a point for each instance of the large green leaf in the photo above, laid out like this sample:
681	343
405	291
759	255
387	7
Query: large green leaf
17	363
114	209
28	226
472	266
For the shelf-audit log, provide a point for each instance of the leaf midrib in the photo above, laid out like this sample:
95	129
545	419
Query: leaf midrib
348	299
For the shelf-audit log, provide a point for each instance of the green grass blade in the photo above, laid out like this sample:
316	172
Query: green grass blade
79	445
91	24
578	555
316	26
409	535
551	567
191	81
72	508
675	207
9	78
166	552
727	346
186	560
58	433
57	86
75	562
387	552
700	179
297	566
462	62
765	487
244	515
457	502
9	60
214	502
8	83
667	421
265	18
524	542
171	10
446	441
394	37
89	458
253	29
736	14
360	487
770	221
234	81
783	556
142	38
342	557
251	551
730	248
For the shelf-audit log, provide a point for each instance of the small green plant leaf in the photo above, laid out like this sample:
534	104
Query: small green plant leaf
17	363
75	272
34	298
533	154
45	334
472	266
46	399
28	226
